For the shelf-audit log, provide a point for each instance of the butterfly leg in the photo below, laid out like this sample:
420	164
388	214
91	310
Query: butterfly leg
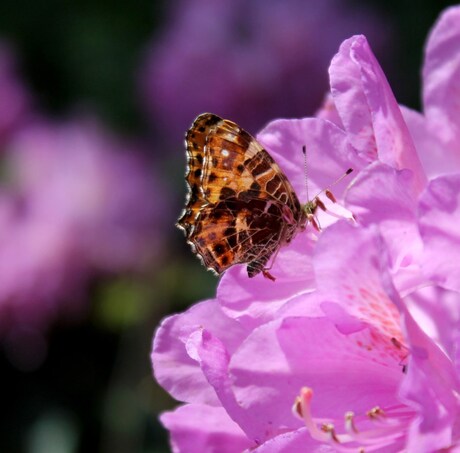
265	270
257	266
267	274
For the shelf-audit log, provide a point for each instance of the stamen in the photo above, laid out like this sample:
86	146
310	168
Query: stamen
330	195
375	413
328	428
314	223
320	204
302	408
350	422
382	427
401	346
397	343
310	206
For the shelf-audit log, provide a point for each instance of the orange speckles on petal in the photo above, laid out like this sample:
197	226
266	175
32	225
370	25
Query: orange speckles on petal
372	306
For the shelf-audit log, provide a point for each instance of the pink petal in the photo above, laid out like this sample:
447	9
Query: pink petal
385	196
441	77
350	100
433	152
329	154
254	301
175	367
280	358
292	441
431	386
437	312
214	361
368	109
199	428
438	222
344	255
328	111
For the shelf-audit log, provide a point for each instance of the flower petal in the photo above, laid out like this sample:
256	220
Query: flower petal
174	365
254	301
441	78
344	255
385	196
433	152
200	428
368	109
439	218
298	440
437	312
328	152
280	358
431	386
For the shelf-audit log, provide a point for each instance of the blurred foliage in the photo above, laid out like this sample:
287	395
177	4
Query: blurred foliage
95	391
83	52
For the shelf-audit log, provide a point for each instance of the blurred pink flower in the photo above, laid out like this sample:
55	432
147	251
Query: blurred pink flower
248	61
93	185
78	202
360	330
14	98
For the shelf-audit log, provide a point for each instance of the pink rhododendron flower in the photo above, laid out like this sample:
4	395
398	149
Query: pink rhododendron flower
78	202
345	349
79	176
270	55
355	346
437	137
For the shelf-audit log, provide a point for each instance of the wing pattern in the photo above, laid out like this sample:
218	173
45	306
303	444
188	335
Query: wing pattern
240	206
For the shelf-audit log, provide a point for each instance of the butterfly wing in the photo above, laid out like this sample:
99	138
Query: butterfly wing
240	207
238	231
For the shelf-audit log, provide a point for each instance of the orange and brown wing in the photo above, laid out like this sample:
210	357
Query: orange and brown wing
237	196
238	231
237	161
195	141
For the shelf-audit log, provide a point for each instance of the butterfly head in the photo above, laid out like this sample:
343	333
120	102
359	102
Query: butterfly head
309	213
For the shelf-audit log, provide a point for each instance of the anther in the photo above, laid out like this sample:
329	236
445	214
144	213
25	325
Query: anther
312	219
375	413
350	422
330	195
328	428
320	204
298	407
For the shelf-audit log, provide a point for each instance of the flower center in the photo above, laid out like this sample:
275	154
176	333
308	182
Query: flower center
377	428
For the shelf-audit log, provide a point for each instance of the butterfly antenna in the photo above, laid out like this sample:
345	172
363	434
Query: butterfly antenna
305	166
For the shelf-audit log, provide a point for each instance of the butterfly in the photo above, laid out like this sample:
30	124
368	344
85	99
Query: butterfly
240	206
